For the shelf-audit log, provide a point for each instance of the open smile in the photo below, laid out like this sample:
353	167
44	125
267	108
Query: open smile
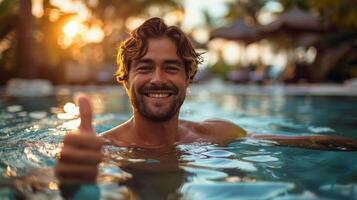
158	94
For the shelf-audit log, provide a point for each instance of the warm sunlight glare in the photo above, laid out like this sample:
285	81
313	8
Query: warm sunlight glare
70	111
70	6
95	34
71	108
65	116
72	124
133	22
37	8
71	28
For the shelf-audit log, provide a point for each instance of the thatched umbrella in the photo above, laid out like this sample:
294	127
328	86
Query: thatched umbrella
294	20
239	31
196	44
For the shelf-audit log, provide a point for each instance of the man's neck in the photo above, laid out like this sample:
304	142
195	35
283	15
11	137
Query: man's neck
154	134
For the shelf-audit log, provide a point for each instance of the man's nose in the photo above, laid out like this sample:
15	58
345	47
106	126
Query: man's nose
158	76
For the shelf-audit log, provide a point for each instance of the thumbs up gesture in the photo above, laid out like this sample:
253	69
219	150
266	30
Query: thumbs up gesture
81	152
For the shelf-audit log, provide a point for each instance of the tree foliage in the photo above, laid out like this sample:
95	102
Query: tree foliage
50	57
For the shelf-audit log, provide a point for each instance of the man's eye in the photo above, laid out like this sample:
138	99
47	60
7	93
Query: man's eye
143	69
172	69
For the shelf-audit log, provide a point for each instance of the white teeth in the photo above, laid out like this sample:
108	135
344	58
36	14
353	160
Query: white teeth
158	95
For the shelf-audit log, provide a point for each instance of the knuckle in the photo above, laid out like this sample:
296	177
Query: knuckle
65	153
69	137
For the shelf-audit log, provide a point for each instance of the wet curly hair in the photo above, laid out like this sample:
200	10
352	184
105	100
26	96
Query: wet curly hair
136	46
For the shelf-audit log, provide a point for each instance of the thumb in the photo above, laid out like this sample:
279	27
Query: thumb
86	114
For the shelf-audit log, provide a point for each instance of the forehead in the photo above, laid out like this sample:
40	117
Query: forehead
161	49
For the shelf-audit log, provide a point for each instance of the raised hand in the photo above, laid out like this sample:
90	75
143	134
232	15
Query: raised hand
81	152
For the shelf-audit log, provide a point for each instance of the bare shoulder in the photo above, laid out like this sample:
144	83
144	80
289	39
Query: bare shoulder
112	132
116	135
224	127
216	130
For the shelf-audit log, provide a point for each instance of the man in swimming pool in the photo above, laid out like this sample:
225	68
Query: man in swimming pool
156	64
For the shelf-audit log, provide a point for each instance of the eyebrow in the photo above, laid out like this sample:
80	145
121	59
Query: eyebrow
173	62
168	61
143	61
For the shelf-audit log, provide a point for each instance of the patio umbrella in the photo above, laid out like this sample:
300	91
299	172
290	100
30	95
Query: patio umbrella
294	20
239	30
196	44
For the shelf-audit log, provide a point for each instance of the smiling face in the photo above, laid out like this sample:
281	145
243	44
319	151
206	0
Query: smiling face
157	82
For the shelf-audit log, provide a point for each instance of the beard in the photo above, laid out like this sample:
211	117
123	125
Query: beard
157	112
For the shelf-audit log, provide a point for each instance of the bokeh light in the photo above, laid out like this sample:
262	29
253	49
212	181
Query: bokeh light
71	28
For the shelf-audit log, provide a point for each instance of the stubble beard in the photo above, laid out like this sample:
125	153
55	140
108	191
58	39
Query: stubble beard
139	104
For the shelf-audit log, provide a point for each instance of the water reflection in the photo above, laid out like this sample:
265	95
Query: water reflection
165	173
216	190
154	174
71	108
37	114
264	158
224	163
14	108
70	125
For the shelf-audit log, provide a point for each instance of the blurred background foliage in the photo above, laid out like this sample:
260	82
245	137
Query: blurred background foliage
66	46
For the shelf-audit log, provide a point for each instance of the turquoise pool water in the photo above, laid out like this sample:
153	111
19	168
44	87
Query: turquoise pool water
31	130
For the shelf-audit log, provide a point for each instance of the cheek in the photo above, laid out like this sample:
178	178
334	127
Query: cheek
182	83
183	88
133	82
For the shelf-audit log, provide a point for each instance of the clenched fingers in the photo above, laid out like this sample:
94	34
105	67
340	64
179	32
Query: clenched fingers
73	155
83	141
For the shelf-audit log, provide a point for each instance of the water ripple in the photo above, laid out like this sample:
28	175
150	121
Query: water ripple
205	173
219	154
236	191
224	163
264	158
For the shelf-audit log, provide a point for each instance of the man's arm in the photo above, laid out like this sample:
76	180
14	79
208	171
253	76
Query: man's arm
223	131
323	142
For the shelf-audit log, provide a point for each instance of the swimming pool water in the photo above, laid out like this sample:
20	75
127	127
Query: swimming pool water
31	130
